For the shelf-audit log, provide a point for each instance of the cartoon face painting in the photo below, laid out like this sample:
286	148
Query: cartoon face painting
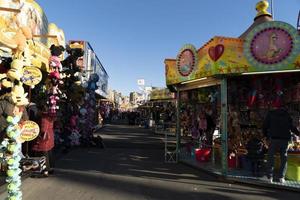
186	62
271	45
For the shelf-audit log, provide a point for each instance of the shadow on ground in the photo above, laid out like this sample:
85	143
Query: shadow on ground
133	163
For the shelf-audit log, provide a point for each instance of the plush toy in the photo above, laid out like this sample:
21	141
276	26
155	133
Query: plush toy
277	102
16	40
5	64
92	84
15	72
57	50
21	36
53	101
75	137
22	31
54	77
4	82
18	95
54	92
70	61
54	62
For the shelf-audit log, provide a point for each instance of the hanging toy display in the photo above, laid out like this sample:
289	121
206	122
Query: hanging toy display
54	92
54	62
11	147
252	99
277	102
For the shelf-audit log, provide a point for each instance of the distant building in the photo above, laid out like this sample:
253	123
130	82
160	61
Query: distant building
136	98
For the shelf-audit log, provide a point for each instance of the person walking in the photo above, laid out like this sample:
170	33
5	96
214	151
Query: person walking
277	128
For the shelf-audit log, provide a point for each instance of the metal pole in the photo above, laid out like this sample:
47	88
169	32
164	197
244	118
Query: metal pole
224	126
27	143
272	10
178	131
298	21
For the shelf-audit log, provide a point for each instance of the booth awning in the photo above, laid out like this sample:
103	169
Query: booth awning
270	46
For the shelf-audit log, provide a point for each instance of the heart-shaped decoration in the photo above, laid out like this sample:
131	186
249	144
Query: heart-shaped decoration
215	52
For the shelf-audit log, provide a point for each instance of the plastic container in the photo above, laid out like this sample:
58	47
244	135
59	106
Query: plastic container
293	172
232	162
203	154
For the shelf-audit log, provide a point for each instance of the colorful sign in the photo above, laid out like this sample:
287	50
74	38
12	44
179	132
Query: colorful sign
30	130
219	56
184	67
31	76
272	46
268	47
186	60
162	94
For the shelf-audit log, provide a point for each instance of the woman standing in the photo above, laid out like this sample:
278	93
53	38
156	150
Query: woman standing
44	144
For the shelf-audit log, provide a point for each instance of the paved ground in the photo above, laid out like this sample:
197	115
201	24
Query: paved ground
131	167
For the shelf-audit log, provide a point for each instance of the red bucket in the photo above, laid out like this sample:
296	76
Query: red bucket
232	162
203	155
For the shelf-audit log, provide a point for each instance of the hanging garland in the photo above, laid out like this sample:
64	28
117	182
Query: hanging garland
11	148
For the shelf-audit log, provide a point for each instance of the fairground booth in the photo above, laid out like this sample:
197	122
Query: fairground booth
163	111
40	80
226	87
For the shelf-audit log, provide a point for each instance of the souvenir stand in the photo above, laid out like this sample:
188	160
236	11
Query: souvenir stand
163	111
32	68
145	112
238	80
24	56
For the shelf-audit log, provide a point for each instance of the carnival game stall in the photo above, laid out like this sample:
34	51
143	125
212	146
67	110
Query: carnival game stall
146	117
236	81
163	111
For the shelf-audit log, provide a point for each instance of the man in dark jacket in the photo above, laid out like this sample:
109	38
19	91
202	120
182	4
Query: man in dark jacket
277	127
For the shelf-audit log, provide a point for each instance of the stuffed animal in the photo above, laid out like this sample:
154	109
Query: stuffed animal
4	82
70	61
54	91
20	40
15	72
54	62
278	99
53	101
5	64
54	77
18	95
75	137
92	84
57	50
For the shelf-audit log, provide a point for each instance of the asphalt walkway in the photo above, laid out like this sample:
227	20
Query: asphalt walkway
132	168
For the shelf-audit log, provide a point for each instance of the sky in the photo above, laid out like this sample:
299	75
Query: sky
133	37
